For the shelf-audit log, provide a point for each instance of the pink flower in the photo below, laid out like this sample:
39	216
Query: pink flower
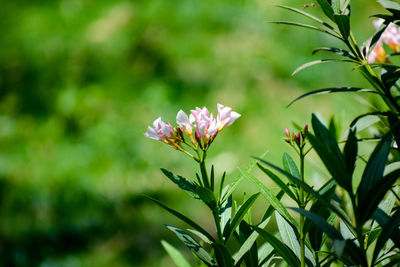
376	54
205	123
225	116
160	131
184	122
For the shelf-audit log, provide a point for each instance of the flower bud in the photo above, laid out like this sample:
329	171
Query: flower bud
287	133
198	139
306	128
180	133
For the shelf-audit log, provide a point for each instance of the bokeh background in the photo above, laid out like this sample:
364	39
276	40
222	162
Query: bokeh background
80	80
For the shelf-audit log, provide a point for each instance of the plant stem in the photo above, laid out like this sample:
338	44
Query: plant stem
203	170
302	206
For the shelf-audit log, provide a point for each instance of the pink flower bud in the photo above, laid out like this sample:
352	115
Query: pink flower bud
287	133
306	128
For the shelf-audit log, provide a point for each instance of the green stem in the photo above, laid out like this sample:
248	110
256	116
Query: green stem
302	206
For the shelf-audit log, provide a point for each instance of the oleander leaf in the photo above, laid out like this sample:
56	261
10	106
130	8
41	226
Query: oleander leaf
182	182
281	248
239	215
333	90
183	218
279	182
321	61
192	244
269	196
175	255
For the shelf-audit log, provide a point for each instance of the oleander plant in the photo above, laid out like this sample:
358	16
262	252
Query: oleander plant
353	219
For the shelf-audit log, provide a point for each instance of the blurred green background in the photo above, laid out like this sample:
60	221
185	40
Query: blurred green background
80	80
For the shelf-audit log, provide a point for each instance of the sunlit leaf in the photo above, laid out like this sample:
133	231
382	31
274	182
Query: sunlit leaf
175	255
333	90
282	249
191	243
183	218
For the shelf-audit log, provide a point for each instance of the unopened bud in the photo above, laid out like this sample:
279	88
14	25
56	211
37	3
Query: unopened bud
306	128
287	133
180	133
198	139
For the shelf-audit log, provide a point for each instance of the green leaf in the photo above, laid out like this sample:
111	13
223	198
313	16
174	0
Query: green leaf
265	253
318	208
250	256
365	125
343	23
374	169
340	244
282	249
175	255
326	8
248	244
337	51
225	213
333	90
289	237
279	182
273	201
200	235
392	6
239	215
182	182
332	128
193	245
290	166
301	12
311	191
320	61
207	196
350	151
229	189
301	25
375	195
321	223
222	255
183	218
390	229
328	150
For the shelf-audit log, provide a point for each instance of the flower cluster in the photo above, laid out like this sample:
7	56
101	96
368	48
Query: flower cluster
200	126
390	37
298	139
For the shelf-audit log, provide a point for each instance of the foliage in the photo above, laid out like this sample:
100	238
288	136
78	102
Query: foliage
359	227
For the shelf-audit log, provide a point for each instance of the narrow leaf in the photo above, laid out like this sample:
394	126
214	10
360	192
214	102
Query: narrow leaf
222	255
279	182
376	194
350	151
289	165
182	182
333	90
337	51
175	255
191	243
273	201
320	61
326	8
375	168
239	215
343	23
311	191
282	249
390	229
183	218
308	15
307	27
